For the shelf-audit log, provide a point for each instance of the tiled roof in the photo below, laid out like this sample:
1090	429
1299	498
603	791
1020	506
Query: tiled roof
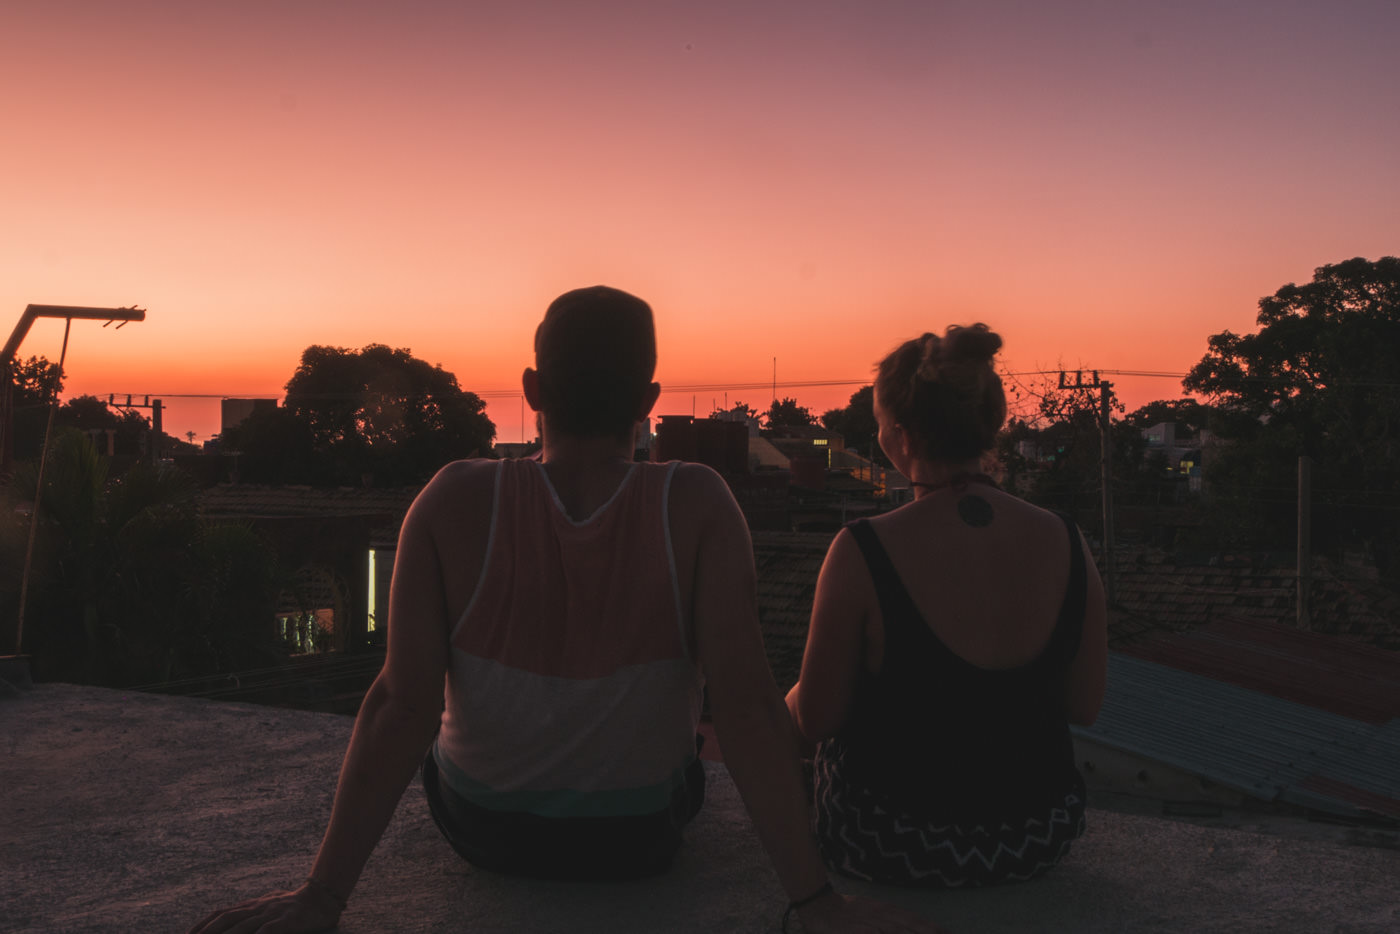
787	564
231	501
1157	591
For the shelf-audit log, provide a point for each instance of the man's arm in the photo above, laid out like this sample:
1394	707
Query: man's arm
751	720
1088	673
396	723
754	729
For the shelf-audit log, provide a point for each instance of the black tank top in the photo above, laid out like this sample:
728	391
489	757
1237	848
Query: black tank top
947	741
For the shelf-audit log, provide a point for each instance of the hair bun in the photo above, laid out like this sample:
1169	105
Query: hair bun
975	344
958	348
930	358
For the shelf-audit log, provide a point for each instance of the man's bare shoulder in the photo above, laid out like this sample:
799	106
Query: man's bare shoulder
702	508
471	472
698	483
699	492
461	486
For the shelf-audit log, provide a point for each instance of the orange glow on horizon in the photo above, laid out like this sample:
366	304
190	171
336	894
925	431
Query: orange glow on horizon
1106	187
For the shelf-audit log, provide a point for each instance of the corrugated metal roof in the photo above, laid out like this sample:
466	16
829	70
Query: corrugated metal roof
1264	746
1332	673
1368	776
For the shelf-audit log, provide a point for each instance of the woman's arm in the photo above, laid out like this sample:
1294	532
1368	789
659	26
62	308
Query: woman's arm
395	725
836	642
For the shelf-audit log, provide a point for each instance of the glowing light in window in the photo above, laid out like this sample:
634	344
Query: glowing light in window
373	623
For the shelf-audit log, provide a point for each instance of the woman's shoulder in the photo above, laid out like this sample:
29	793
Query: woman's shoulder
1013	517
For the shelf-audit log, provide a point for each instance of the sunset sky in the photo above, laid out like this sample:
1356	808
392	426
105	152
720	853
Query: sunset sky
1105	183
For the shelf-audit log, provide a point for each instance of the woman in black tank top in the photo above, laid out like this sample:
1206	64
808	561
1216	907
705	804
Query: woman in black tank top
952	643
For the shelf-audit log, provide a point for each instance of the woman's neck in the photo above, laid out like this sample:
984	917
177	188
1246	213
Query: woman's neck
930	476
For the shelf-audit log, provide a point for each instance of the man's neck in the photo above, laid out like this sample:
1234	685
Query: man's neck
585	453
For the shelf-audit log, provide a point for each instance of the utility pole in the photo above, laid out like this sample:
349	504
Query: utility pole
1304	542
1105	389
153	449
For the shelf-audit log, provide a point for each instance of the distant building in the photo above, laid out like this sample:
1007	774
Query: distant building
809	438
722	445
1185	453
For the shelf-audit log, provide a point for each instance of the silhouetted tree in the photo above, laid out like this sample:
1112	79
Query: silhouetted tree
352	415
739	411
857	425
1319	377
787	413
36	380
36	383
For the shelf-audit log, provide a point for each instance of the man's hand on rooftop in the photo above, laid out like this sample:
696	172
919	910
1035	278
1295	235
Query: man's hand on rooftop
304	911
846	914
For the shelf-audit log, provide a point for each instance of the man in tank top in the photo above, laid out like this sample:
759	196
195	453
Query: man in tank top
571	606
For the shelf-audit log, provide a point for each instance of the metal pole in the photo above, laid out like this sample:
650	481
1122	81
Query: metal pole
1304	542
39	496
1106	462
157	432
7	410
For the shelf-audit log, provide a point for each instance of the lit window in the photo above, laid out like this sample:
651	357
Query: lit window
373	623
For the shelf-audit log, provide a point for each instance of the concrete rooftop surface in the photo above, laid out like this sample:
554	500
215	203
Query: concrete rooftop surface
130	812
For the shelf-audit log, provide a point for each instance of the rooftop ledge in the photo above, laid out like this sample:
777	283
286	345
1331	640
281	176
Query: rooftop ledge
133	812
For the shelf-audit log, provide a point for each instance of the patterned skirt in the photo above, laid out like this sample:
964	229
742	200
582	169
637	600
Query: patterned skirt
862	838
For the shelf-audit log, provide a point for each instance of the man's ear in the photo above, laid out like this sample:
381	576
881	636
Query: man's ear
648	400
530	382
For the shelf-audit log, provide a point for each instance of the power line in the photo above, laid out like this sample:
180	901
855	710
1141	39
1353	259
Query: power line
748	386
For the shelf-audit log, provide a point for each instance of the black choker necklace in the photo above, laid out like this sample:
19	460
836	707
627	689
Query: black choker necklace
957	481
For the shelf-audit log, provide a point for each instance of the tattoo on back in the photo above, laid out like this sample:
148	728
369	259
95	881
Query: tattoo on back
975	510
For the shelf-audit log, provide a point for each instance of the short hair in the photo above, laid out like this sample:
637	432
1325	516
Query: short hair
945	392
595	352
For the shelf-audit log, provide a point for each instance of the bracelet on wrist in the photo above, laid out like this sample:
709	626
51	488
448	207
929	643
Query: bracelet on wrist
316	884
800	903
